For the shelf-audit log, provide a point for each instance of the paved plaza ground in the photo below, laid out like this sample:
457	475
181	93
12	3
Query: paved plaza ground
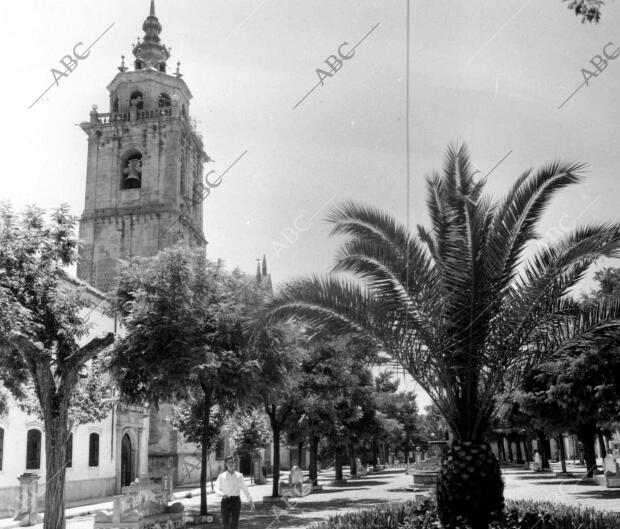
389	485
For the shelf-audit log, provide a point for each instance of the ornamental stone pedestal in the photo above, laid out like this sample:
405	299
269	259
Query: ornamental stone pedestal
28	496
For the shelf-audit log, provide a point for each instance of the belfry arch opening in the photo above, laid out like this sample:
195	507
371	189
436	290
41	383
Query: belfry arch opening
131	170
136	99
164	100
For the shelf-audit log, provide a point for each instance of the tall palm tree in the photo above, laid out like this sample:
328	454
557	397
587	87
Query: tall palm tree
460	305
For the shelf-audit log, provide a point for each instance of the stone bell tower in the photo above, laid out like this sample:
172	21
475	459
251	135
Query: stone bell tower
145	163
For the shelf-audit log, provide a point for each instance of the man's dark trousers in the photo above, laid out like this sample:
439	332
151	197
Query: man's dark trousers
231	507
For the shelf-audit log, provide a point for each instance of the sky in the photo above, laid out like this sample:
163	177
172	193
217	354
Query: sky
487	73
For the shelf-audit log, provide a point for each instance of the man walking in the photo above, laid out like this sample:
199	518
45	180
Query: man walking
229	484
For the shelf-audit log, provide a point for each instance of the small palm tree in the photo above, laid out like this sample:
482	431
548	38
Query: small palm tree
459	305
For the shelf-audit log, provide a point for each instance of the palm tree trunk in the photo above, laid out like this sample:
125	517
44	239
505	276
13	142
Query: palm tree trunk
469	485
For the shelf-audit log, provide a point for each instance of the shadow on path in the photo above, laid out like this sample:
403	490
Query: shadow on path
605	494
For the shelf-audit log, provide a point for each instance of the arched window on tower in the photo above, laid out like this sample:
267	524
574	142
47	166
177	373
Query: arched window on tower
138	64
136	100
131	171
115	104
162	67
183	111
33	450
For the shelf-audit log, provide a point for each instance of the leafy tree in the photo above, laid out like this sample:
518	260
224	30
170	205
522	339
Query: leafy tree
42	333
184	317
578	392
251	431
277	381
338	402
588	10
404	409
460	305
188	418
609	284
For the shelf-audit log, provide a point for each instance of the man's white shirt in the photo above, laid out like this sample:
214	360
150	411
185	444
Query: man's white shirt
232	484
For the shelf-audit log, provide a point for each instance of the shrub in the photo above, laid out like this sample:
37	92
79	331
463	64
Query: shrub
523	514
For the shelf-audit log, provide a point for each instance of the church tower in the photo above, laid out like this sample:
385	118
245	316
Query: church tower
144	168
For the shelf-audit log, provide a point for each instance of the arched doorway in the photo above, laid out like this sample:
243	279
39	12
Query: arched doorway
127	475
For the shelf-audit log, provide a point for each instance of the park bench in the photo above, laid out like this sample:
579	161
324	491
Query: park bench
143	505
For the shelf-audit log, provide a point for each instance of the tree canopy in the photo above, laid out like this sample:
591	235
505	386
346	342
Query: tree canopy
43	326
185	318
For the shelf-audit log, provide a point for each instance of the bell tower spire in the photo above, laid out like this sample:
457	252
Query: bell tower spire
145	166
151	53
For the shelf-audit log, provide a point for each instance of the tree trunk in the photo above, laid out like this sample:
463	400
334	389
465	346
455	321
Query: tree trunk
601	444
501	453
560	441
204	451
56	434
548	450
312	467
519	454
543	449
300	448
276	455
586	434
406	450
338	464
527	447
374	455
469	485
353	462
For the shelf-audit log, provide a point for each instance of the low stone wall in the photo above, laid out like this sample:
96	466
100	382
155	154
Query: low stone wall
89	488
74	491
